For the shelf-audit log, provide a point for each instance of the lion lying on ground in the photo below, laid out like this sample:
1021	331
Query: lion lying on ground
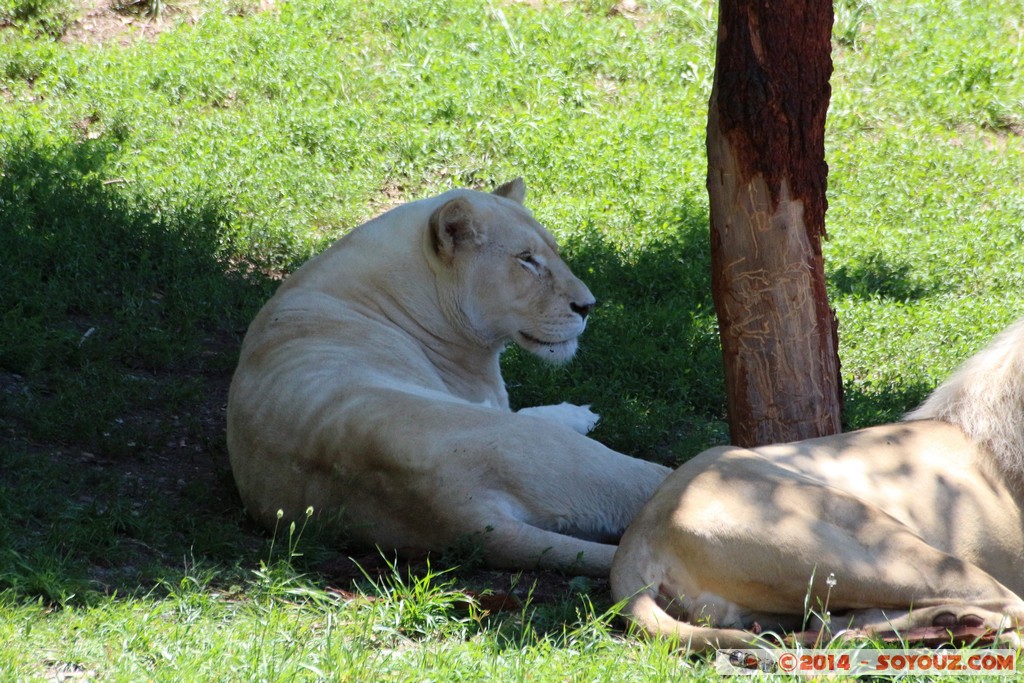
909	526
369	388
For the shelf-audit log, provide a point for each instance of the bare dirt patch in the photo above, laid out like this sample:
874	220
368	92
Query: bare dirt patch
101	22
124	22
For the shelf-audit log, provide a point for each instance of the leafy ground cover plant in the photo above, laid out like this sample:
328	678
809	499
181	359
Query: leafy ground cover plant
157	182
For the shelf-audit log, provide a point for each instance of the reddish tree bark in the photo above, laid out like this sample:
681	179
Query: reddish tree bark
766	181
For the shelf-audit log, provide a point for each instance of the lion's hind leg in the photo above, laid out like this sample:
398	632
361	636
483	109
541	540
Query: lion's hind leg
974	622
882	577
513	543
738	529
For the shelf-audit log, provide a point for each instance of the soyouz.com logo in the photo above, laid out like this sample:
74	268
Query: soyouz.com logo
858	662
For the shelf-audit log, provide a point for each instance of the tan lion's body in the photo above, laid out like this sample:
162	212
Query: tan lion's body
369	388
920	524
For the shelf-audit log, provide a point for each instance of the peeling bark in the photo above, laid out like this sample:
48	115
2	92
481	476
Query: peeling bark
766	180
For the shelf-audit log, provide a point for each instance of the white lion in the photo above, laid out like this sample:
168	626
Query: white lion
369	388
910	526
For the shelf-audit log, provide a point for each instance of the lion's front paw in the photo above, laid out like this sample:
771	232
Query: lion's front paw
577	418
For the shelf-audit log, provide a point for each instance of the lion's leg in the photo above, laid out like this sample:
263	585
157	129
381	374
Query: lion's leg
512	543
580	419
530	493
776	540
993	615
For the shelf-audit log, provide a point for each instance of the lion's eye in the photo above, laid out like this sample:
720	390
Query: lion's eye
530	262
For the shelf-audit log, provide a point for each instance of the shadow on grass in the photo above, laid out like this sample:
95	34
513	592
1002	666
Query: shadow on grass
870	405
120	322
878	276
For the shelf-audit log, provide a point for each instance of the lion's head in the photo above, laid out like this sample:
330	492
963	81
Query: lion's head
500	276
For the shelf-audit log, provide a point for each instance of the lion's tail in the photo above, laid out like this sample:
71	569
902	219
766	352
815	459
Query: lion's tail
643	610
985	399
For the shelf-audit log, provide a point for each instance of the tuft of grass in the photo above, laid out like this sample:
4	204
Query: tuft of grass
148	8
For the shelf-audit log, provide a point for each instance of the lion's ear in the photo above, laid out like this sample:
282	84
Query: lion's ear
454	227
513	189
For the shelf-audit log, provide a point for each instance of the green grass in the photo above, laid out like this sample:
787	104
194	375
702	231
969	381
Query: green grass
152	194
38	17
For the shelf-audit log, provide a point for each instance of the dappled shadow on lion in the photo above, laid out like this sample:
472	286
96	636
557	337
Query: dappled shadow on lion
369	389
887	532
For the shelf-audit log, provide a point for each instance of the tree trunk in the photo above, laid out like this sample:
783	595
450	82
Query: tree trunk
766	180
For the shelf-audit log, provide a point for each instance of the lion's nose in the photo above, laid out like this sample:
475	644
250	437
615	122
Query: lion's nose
582	309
